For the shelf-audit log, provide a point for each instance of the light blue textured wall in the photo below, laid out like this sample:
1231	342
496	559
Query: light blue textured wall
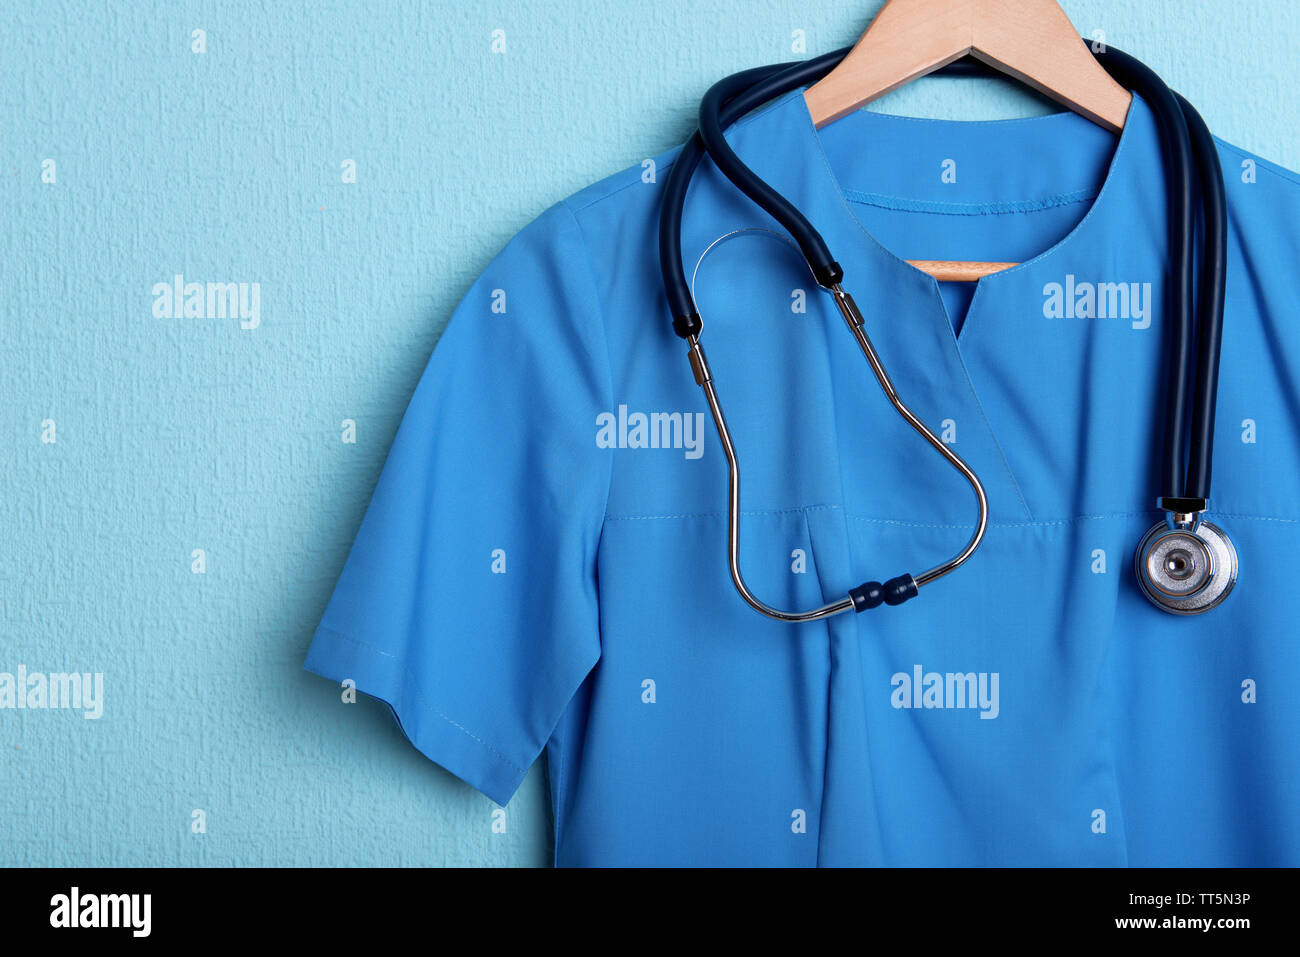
180	434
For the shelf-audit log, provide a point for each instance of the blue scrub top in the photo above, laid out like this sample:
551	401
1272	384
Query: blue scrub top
544	565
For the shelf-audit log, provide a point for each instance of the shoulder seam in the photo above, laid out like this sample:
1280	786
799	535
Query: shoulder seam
604	334
675	151
659	169
1266	164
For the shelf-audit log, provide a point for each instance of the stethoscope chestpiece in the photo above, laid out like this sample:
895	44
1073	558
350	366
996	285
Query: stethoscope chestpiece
1186	566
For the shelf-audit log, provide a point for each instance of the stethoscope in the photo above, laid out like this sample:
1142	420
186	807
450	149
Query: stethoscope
1184	564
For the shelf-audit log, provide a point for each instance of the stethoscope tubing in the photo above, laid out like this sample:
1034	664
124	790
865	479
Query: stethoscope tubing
1213	294
1176	153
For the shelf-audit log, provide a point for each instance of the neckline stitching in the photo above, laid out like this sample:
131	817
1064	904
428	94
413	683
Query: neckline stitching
943	207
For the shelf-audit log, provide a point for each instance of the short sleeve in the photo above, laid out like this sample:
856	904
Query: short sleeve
468	600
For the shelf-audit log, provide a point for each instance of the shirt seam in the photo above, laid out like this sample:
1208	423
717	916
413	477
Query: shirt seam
604	340
830	678
1071	196
425	702
660	169
993	207
1281	172
875	520
558	810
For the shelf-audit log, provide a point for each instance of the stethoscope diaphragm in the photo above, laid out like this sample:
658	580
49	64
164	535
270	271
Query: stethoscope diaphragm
1186	567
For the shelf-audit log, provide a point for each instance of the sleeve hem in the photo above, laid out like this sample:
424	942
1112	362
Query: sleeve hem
442	740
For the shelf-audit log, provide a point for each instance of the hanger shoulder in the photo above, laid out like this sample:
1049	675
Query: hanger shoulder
1032	40
905	41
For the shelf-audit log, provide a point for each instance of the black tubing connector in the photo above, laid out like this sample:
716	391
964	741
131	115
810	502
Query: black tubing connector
829	275
687	326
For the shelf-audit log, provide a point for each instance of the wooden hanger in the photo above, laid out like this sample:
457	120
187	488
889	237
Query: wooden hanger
1031	40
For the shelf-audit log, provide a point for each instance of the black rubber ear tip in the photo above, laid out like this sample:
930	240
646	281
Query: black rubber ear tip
900	589
893	592
868	595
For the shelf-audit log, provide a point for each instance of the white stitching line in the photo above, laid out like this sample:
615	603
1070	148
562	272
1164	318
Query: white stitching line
752	511
1258	518
604	338
908	204
1100	516
425	701
1261	162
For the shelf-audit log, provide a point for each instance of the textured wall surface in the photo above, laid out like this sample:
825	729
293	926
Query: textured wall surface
177	498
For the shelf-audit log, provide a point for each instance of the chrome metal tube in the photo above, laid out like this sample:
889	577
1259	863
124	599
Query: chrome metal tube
733	520
704	377
853	318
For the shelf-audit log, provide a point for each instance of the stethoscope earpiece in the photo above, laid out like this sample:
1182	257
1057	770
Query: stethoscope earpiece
1186	567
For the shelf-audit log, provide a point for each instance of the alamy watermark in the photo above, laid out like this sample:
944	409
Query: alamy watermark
950	689
651	430
1073	299
24	690
179	299
130	911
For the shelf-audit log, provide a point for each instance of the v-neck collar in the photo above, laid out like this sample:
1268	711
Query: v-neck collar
783	146
1074	162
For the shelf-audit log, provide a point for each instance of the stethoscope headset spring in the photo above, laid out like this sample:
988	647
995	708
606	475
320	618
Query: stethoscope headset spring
1185	565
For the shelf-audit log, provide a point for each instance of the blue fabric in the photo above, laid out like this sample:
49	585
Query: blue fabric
529	576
